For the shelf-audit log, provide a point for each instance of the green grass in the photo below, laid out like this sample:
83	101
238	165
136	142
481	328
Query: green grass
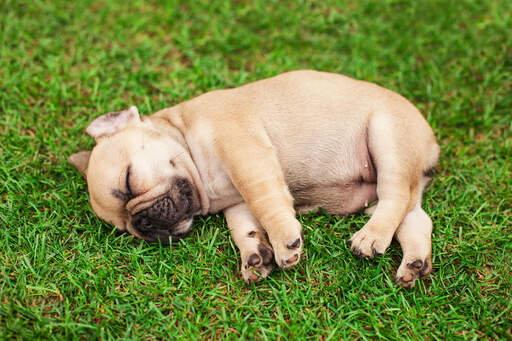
65	274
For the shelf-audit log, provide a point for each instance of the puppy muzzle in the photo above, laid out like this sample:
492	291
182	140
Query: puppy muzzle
168	217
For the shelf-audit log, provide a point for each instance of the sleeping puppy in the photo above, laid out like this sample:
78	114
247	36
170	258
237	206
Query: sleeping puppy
298	141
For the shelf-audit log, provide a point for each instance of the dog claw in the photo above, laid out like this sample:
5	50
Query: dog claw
357	252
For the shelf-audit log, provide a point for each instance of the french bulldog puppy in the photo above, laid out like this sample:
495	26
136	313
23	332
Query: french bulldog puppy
298	141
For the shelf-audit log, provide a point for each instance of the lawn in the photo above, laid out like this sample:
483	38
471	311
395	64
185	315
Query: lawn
64	274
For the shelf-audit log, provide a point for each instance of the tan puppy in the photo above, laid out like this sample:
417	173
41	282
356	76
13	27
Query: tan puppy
298	141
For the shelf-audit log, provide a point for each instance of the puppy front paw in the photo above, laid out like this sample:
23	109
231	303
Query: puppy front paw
257	264
369	242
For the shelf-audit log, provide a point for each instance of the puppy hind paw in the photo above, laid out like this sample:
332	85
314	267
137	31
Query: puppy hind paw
256	274
257	265
409	272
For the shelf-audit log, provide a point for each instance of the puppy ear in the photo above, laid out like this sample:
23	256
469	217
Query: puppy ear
80	160
112	122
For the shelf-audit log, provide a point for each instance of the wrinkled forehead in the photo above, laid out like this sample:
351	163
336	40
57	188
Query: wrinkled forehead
127	141
143	148
129	144
112	153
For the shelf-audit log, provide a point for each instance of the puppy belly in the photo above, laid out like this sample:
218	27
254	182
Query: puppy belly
339	199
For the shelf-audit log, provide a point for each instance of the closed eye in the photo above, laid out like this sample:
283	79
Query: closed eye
125	197
127	182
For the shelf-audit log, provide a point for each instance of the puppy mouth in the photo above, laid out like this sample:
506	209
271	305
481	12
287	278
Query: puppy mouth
169	217
167	235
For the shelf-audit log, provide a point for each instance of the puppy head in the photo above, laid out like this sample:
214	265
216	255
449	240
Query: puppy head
140	179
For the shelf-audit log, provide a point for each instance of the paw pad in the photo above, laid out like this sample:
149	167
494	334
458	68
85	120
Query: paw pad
294	245
254	259
265	253
417	264
292	259
255	276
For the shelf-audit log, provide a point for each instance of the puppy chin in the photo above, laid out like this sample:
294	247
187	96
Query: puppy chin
174	234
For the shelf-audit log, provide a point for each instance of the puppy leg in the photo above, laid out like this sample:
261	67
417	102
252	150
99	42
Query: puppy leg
415	237
397	181
251	240
254	169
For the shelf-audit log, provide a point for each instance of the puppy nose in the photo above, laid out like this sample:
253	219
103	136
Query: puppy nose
162	210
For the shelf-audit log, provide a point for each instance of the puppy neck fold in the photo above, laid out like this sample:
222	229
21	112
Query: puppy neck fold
169	121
